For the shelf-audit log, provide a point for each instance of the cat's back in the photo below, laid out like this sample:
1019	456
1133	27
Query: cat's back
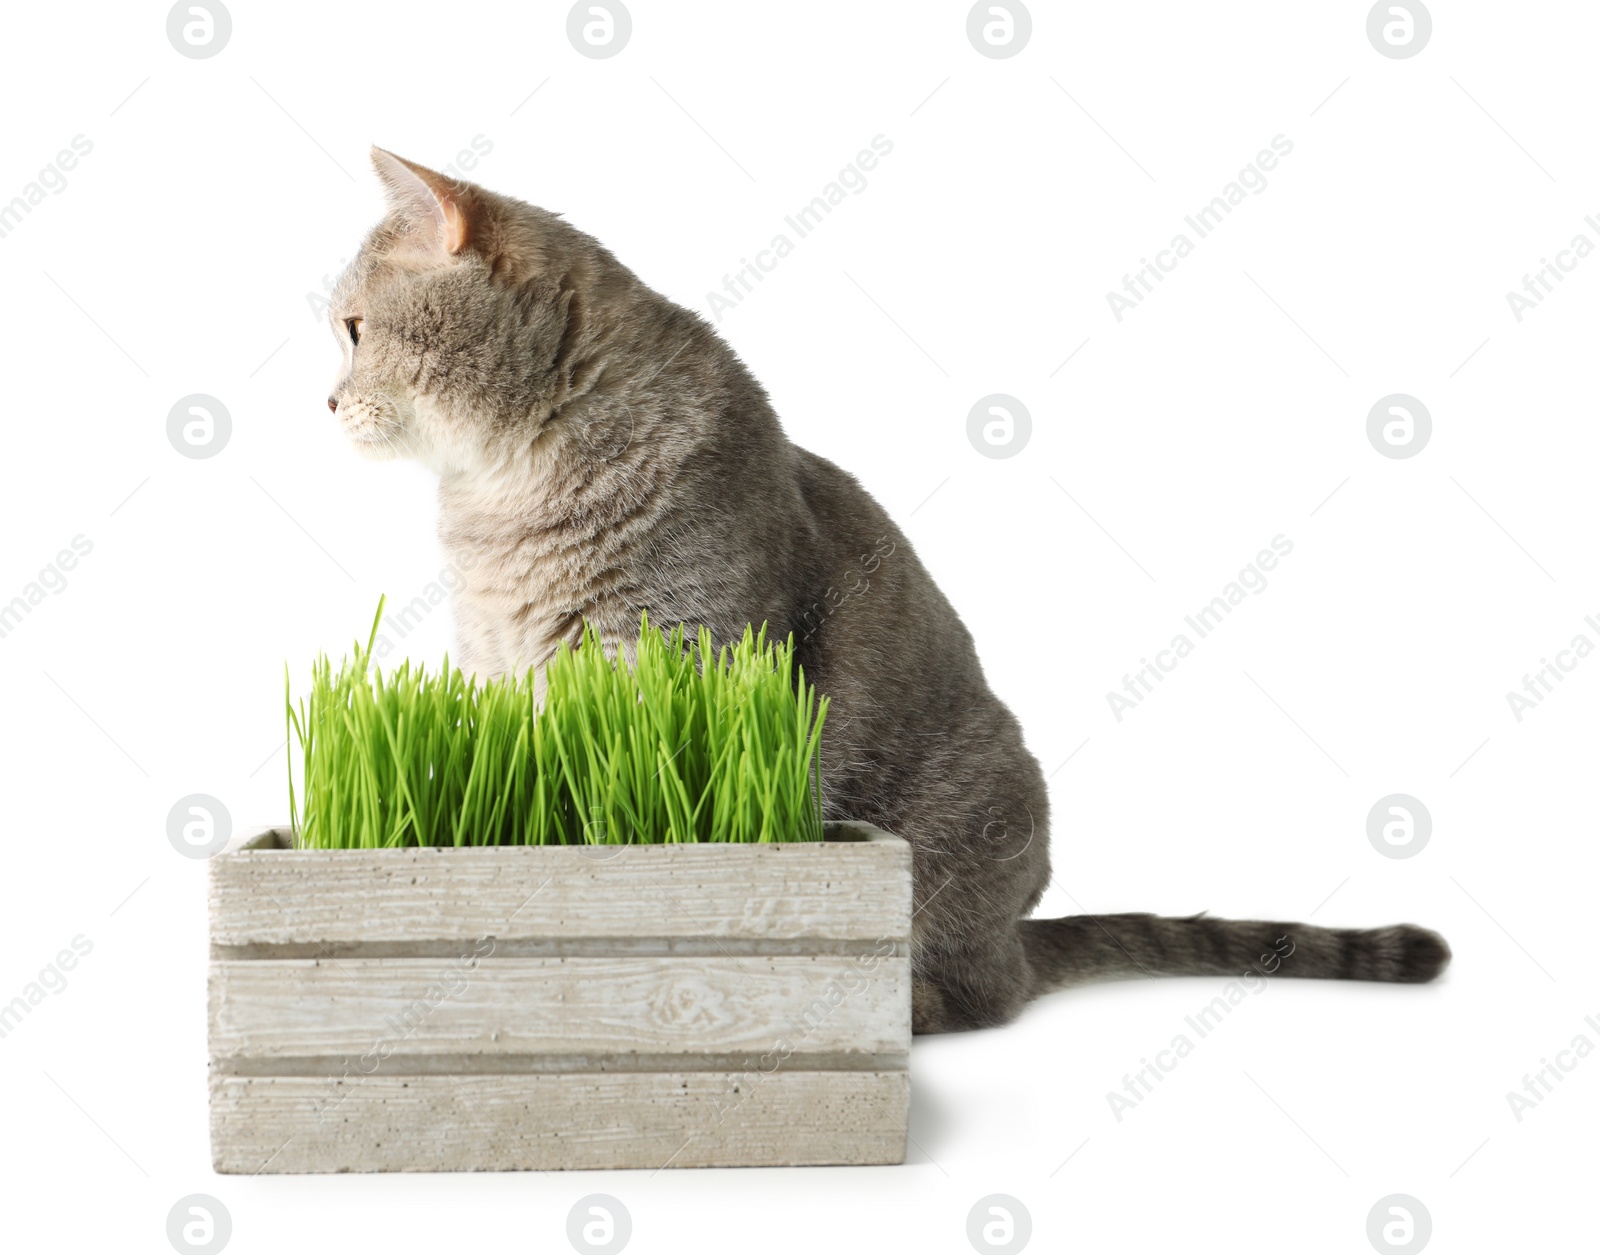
870	604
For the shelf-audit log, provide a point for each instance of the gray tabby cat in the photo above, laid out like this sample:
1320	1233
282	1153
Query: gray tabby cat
601	452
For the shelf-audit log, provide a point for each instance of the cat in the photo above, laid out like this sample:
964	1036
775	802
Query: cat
602	453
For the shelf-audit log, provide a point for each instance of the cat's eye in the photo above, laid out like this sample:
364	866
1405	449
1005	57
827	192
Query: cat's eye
353	326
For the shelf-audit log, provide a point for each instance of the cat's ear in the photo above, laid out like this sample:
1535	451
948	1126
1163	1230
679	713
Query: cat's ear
442	209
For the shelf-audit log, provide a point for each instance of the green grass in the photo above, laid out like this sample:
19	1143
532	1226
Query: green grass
687	743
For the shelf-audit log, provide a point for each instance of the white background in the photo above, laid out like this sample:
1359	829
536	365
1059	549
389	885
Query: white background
180	257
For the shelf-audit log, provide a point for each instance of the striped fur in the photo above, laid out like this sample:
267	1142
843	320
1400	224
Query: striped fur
1079	948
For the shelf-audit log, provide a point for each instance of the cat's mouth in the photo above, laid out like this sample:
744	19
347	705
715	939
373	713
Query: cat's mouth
374	433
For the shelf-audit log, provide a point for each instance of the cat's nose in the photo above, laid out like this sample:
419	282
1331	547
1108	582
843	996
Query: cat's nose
333	404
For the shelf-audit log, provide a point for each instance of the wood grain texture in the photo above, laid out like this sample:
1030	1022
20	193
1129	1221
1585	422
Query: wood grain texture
828	890
511	1123
514	1008
595	1006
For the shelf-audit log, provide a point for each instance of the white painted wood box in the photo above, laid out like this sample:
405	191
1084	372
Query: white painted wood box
433	1010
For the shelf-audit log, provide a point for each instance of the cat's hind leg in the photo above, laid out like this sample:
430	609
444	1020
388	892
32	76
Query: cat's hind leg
972	985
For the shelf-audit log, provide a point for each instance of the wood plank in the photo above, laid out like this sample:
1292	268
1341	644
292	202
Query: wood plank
835	890
586	1121
583	1006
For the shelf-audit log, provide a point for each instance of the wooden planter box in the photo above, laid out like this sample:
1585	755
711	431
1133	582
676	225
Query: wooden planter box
560	1007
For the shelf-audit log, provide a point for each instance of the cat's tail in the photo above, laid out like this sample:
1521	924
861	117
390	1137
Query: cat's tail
1079	948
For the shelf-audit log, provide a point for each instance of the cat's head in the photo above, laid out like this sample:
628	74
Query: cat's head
459	322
